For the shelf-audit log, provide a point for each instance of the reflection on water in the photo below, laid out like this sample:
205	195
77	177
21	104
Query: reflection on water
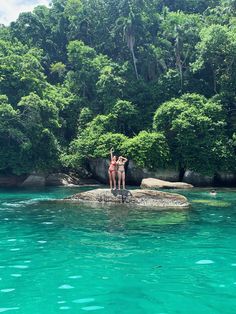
116	218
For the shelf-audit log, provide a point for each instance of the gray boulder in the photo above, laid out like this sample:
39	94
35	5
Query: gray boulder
60	179
34	180
134	175
99	168
225	179
151	183
197	179
146	198
11	181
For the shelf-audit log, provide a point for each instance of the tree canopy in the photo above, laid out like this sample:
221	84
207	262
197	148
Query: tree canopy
155	79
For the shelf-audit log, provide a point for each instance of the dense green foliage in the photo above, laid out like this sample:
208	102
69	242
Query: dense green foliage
196	133
147	150
155	79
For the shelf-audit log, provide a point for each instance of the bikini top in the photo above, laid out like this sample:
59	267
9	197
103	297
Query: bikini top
120	164
113	163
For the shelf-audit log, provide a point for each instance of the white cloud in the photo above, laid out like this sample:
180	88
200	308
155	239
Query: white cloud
10	9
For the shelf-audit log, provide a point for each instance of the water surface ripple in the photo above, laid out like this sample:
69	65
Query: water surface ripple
67	258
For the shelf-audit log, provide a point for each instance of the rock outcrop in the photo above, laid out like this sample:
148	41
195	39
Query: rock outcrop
151	183
41	180
99	168
34	180
145	198
60	179
11	181
225	179
134	175
55	179
198	179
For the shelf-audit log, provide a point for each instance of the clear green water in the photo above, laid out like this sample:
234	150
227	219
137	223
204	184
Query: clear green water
57	258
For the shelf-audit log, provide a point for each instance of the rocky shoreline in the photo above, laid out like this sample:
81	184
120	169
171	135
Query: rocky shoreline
134	175
96	173
41	180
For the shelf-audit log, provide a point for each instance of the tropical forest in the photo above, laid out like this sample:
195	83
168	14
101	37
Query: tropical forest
118	156
154	79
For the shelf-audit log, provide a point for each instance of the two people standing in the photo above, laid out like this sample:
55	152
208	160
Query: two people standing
117	167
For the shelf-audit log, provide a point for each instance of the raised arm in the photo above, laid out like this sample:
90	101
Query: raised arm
124	159
111	152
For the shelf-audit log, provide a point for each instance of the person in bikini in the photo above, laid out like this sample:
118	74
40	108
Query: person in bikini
121	171
112	170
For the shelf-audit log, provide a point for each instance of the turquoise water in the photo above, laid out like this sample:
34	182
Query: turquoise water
59	258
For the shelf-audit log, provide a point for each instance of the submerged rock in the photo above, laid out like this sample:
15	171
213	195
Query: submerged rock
146	198
151	183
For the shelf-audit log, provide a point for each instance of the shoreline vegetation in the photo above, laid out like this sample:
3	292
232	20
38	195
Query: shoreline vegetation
155	79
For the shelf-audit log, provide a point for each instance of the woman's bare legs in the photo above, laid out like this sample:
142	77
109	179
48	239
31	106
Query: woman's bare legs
114	178
110	179
123	180
119	179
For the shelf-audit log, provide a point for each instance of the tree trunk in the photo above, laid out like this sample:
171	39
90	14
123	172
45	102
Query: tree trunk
134	58
179	61
130	38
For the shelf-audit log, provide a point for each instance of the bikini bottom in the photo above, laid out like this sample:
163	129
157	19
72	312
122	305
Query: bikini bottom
121	171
